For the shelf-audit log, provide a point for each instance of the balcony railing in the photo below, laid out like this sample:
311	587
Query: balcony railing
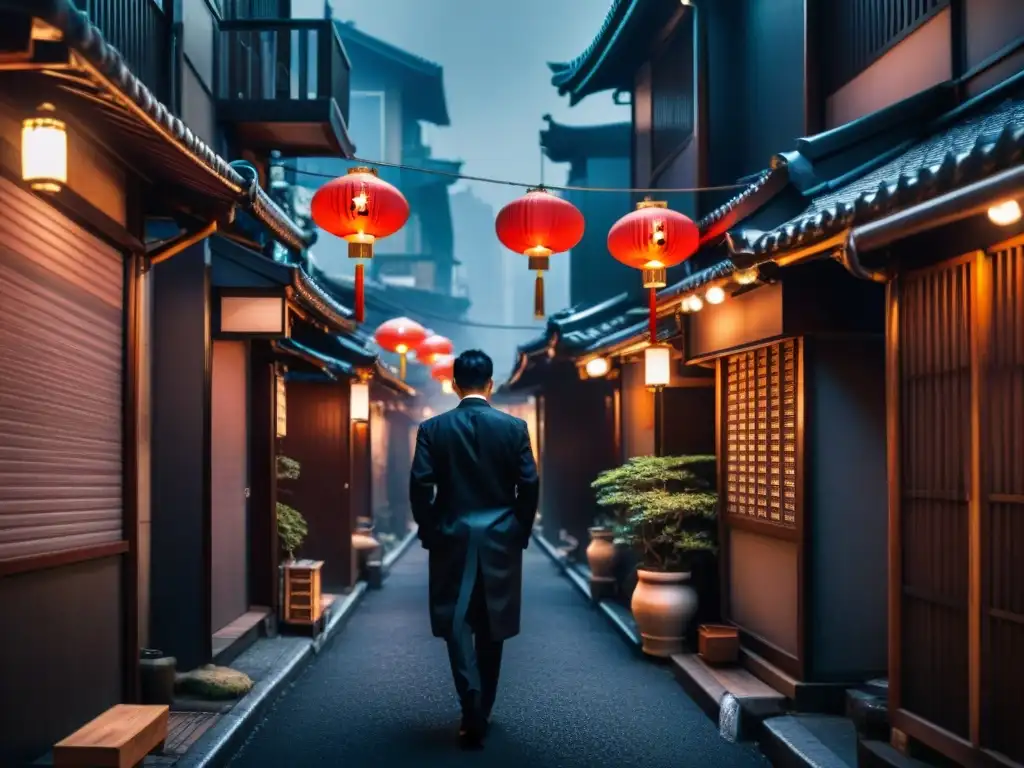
282	71
139	30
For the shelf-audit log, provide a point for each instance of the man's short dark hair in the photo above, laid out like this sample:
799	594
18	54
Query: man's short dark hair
472	370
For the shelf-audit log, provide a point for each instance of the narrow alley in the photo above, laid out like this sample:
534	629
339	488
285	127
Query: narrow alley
572	693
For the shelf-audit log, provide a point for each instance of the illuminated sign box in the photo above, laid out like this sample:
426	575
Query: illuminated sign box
253	315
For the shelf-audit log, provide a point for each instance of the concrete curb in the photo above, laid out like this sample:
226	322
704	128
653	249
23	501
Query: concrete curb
392	557
217	746
626	632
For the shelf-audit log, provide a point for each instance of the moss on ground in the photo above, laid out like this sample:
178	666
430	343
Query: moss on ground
213	682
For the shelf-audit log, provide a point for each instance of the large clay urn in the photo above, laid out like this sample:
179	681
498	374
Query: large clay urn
663	604
601	555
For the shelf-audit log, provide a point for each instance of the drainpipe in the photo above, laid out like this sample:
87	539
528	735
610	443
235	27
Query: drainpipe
177	245
848	256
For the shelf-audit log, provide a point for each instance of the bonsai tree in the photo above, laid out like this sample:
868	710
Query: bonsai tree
664	506
291	525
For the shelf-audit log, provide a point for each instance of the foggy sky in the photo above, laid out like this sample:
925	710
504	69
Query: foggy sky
498	85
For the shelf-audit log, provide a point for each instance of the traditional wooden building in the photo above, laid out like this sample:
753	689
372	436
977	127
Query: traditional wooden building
116	195
813	374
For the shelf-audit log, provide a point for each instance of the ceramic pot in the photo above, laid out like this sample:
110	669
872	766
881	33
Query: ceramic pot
601	555
663	604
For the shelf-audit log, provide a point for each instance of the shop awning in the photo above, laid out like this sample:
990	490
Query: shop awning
96	87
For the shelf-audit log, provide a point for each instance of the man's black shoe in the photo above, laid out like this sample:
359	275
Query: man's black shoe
472	731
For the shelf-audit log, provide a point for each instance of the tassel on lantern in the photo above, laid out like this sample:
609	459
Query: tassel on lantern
538	297
360	302
402	365
653	319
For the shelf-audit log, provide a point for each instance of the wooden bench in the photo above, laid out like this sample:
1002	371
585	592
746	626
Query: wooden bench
119	738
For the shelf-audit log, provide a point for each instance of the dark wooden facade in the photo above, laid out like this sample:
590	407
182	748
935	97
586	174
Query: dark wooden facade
568	464
955	427
319	434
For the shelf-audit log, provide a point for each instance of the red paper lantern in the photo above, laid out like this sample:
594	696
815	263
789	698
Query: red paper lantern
443	370
538	225
400	335
359	208
434	347
653	238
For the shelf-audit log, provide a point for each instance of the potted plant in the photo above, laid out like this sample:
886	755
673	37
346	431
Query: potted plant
301	599
667	512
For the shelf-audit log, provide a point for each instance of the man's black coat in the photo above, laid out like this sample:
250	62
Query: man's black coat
479	521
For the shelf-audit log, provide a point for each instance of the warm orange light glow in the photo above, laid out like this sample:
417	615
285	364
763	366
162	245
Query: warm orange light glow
44	151
597	367
657	366
361	201
359	401
746	277
715	295
1005	213
401	349
446	387
692	304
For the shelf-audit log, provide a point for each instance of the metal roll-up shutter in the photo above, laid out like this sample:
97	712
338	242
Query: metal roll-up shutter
61	369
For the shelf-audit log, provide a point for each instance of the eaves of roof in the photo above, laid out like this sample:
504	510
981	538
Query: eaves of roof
970	143
152	120
617	50
566	143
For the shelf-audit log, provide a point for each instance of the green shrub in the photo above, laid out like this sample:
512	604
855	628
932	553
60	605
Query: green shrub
291	525
664	506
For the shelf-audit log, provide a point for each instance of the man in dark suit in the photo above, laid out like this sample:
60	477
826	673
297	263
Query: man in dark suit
473	489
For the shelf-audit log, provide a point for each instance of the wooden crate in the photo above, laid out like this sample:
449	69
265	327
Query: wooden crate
302	601
718	643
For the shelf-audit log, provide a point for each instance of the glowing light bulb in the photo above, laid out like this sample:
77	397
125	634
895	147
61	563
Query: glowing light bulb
1005	213
597	367
446	387
693	304
401	349
746	277
361	201
715	295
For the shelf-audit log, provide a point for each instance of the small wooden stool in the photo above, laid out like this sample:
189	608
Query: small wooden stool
119	738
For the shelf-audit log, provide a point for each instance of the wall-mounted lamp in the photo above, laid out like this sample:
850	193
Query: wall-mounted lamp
1005	213
746	276
598	367
692	304
714	295
359	401
657	366
44	150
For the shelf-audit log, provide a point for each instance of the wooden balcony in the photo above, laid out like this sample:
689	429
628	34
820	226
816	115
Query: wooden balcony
284	84
140	31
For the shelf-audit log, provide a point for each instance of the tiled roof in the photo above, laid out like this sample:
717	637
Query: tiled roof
964	146
166	135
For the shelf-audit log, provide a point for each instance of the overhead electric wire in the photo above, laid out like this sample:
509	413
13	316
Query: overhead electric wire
508	183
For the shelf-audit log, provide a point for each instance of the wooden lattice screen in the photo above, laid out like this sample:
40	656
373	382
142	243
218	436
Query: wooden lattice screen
1002	509
935	434
761	394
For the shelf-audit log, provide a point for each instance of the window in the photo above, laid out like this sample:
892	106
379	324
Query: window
761	434
366	123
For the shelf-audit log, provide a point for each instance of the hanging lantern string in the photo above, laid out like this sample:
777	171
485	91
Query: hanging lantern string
507	183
